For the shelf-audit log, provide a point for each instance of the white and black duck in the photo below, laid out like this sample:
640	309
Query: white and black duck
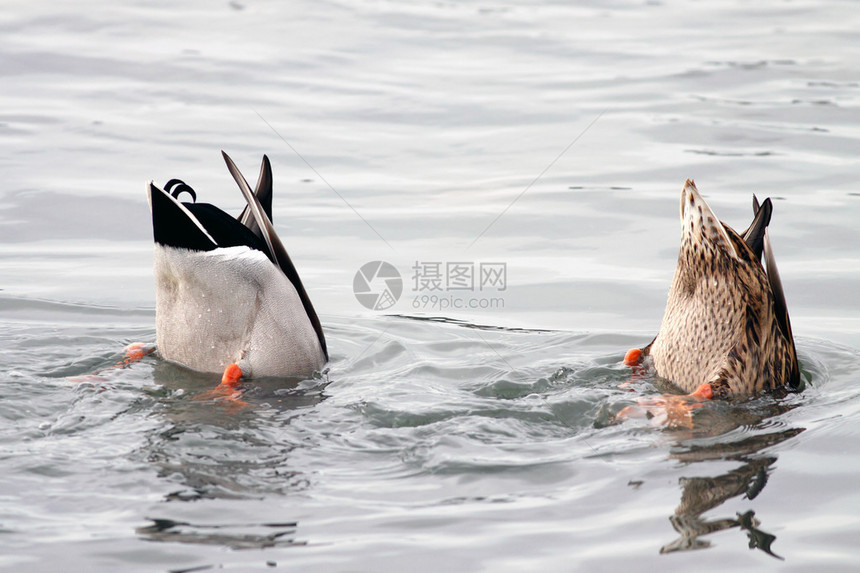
227	293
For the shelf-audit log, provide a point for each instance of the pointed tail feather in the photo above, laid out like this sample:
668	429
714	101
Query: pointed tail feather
263	191
754	235
277	252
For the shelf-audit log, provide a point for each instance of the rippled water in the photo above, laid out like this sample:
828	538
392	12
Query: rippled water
439	438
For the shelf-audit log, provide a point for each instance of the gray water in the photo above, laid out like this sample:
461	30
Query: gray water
439	438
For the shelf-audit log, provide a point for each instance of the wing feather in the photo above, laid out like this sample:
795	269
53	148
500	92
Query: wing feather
277	252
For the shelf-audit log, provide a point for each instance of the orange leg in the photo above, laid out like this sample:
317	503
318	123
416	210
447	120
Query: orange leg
132	353
135	352
229	388
703	392
232	375
633	357
668	410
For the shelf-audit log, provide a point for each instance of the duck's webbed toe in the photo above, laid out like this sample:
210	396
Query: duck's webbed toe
232	375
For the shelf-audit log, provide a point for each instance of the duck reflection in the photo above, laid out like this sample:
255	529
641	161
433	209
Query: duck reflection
702	494
234	536
218	448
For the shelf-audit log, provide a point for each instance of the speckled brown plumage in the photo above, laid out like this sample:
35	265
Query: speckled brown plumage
726	322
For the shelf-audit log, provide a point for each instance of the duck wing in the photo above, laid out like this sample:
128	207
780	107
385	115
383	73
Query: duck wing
277	253
780	308
754	235
263	191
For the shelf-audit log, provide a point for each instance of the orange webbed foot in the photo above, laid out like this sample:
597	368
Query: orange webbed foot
232	375
633	357
132	353
229	388
668	410
135	352
703	392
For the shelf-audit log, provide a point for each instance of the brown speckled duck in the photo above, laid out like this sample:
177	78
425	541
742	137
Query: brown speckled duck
726	329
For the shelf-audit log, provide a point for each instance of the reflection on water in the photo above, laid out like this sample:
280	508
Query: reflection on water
234	536
420	425
219	448
709	434
701	494
432	445
222	447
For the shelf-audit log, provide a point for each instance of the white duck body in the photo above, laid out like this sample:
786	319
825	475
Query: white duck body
231	305
226	290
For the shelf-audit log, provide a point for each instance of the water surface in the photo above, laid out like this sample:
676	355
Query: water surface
439	438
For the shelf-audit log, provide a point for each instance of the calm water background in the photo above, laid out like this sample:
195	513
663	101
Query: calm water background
476	440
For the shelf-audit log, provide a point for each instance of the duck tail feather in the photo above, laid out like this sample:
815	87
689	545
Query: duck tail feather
755	233
174	225
263	191
277	252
